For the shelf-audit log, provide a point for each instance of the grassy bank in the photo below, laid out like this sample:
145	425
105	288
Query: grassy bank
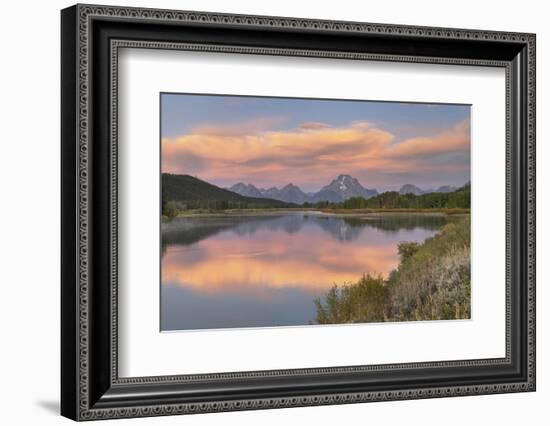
395	210
232	212
335	211
432	282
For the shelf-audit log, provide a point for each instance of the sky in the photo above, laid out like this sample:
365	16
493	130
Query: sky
269	141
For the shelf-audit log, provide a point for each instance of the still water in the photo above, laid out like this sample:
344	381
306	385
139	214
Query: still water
266	270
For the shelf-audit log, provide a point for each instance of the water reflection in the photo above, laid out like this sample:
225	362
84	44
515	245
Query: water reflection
253	271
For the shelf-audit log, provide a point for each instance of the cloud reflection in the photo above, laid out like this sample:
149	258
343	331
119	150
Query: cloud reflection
267	258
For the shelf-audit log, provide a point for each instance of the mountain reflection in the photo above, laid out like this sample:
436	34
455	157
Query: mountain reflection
185	231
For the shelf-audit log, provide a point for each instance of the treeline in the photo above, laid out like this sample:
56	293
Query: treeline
432	282
393	200
171	209
459	199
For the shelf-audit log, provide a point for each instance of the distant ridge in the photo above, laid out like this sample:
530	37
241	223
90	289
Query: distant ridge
410	189
413	189
246	190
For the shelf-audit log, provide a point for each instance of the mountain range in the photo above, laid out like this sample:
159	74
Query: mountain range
185	188
341	188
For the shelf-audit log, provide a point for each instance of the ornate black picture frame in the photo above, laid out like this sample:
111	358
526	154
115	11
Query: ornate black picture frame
90	38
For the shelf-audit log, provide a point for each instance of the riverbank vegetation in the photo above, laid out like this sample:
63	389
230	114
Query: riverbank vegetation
432	282
400	204
396	210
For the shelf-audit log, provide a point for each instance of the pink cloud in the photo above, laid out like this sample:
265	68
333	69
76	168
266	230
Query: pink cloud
454	139
313	125
308	155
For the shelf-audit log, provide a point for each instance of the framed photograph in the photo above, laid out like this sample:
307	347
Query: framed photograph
263	212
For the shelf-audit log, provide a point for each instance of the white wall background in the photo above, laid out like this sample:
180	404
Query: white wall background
29	213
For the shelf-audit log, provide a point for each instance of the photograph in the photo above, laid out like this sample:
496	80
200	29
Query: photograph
279	211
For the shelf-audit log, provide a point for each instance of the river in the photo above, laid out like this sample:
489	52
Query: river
265	270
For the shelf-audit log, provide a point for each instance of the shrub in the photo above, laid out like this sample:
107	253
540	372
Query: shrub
432	282
359	302
171	209
407	249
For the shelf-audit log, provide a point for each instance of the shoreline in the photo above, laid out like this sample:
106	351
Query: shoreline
323	211
451	211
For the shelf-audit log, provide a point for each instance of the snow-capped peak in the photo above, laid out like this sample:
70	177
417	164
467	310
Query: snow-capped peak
347	186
